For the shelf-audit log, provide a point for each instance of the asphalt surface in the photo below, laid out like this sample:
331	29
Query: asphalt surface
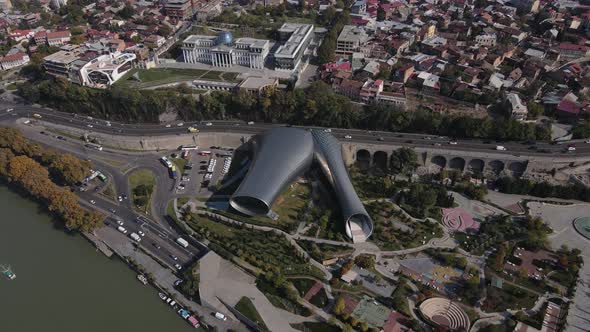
356	136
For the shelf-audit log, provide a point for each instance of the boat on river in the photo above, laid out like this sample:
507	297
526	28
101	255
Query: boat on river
7	272
142	279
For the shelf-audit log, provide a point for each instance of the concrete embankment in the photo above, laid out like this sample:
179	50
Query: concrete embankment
148	143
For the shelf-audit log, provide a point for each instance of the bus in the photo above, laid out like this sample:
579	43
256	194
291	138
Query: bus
182	242
101	177
188	147
94	146
173	172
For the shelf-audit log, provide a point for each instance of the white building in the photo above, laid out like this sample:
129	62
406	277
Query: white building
59	3
5	5
13	60
486	39
518	110
351	39
223	51
106	69
296	39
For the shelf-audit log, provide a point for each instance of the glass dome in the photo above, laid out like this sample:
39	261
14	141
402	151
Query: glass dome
225	38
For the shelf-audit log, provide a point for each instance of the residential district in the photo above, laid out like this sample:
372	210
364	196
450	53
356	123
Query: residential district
315	165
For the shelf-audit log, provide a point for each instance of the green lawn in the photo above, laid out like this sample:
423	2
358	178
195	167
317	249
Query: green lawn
142	183
247	308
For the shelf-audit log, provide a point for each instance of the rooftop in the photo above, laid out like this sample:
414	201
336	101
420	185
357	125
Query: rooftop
351	33
299	32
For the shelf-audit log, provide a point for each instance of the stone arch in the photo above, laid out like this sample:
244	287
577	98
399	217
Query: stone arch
380	160
439	161
363	159
496	166
517	167
457	163
476	165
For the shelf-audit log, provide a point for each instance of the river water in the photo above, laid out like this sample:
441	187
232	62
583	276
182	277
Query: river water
64	285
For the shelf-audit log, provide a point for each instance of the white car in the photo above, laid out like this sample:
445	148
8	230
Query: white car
208	124
453	142
251	123
120	222
571	148
90	126
500	148
120	198
587	141
93	202
108	123
168	125
9	110
141	233
328	130
348	137
178	267
180	124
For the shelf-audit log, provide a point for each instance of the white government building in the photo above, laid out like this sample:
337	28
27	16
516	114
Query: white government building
223	51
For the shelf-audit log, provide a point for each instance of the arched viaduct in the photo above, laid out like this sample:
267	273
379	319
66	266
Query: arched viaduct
377	156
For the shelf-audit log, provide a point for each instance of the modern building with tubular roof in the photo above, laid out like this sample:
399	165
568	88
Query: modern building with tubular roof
283	154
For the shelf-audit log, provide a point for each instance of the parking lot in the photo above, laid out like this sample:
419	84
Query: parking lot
203	169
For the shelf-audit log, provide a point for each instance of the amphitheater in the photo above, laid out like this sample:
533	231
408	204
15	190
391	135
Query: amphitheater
445	314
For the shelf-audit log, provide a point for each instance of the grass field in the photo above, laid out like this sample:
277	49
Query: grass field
109	191
138	178
161	76
247	308
179	163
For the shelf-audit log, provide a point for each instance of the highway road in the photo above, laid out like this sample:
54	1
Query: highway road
356	136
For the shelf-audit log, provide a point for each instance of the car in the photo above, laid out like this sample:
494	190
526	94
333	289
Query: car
113	211
174	257
124	196
120	198
157	246
436	144
178	282
453	142
208	124
381	139
571	148
348	137
250	123
328	130
61	138
587	141
8	110
177	266
120	222
93	202
500	148
168	126
141	233
203	161
42	133
89	126
180	124
108	123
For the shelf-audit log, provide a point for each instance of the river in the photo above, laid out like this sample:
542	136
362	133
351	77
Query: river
64	285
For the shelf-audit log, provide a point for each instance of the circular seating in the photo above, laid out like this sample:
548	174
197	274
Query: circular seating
445	314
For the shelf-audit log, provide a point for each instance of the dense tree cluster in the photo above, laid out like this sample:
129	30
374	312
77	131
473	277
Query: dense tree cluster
542	189
337	20
318	105
421	199
30	176
64	169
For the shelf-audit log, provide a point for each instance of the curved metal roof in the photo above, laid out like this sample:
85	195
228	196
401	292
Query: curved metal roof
282	154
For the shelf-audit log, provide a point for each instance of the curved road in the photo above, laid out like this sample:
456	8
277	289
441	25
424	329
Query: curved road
90	124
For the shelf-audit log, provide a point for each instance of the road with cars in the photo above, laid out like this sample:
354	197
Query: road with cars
346	135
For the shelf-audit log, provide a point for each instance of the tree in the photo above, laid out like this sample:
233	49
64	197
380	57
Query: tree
339	306
165	30
127	11
380	14
403	161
